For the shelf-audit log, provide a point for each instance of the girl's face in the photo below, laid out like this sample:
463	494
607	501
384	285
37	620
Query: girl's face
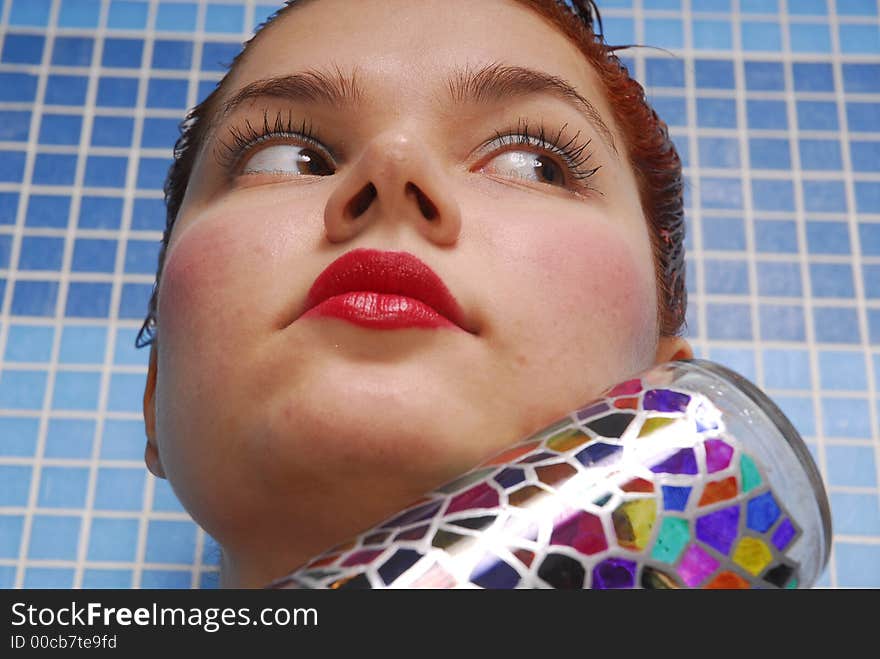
284	433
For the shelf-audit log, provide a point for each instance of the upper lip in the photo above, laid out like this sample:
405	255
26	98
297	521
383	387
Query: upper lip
395	273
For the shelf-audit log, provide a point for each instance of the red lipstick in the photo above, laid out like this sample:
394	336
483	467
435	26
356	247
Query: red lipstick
383	290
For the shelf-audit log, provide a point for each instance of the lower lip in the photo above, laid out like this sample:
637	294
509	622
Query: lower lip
380	311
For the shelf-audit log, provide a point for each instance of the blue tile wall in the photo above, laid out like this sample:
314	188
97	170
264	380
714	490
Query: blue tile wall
775	109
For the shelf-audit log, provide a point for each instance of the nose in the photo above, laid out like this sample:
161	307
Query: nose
395	181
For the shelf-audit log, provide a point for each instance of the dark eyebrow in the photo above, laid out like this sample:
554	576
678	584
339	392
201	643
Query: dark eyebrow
490	83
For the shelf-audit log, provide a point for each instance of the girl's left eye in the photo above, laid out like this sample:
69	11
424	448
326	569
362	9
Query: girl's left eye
524	164
287	159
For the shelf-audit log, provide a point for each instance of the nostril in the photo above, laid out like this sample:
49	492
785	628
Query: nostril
428	209
362	200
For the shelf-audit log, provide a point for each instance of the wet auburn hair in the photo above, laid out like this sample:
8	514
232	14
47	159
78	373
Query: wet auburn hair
651	154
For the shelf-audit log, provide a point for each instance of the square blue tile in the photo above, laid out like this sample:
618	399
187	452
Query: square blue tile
152	173
871	280
724	233
23	49
856	7
29	343
120	488
782	322
69	438
846	417
126	392
855	514
12	167
712	35
842	371
66	90
817	115
218	55
5	250
864	156
721	193
799	410
54	169
664	32
832	280
8	572
769	153
126	354
76	390
79	13
47	210
710	5
15	126
172	54
113	539
836	325
166	579
853	466
863	117
867	196
116	92
134	301
828	238
619	31
160	133
761	36
94	255
88	300
859	39
18	87
263	11
60	129
764	76
107	579
72	51
741	360
34	298
9	207
48	578
31	13
210	580
22	390
728	321
122	53
18	436
860	78
171	542
100	212
141	256
809	37
10	535
148	214
726	277
82	344
714	74
224	18
176	16
205	87
817	155
869	238
716	113
759	6
54	537
787	369
16	481
873	325
813	76
123	439
112	131
808	7
164	499
41	253
824	196
719	152
167	93
779	278
857	566
127	15
63	487
767	114
105	171
772	195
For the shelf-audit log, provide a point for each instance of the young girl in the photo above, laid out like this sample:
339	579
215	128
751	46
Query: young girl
401	236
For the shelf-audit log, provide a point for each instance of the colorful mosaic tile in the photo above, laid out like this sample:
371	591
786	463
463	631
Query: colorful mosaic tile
589	504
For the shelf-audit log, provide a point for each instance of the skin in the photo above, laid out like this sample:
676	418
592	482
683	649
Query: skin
283	436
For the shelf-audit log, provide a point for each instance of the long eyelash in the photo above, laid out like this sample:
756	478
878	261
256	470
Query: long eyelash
574	154
242	139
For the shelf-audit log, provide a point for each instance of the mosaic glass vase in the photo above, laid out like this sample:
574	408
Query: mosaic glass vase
685	476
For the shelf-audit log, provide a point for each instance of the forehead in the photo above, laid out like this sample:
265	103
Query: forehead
401	49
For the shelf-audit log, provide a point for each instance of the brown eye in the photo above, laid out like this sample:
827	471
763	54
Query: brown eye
287	160
529	165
